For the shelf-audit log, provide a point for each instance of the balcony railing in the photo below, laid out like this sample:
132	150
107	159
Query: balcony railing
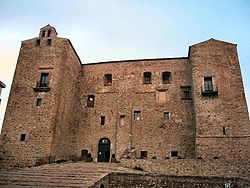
210	92
40	87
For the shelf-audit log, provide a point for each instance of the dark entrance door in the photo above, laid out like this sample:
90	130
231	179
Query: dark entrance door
104	150
84	154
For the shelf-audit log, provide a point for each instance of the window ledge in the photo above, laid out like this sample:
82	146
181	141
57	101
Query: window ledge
209	93
41	89
186	99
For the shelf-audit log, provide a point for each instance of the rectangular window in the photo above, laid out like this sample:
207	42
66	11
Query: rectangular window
186	93
49	41
174	153
122	120
137	114
144	154
38	102
102	120
147	77
107	79
44	80
91	101
166	77
22	137
208	83
166	116
224	131
38	41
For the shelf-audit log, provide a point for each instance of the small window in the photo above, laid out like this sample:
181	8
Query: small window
137	114
102	120
224	131
208	84
38	102
22	137
144	154
44	81
91	101
107	79
165	116
49	32
122	120
186	93
38	42
174	153
147	77
49	41
43	33
166	77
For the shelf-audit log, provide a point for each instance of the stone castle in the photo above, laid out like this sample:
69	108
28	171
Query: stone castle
190	107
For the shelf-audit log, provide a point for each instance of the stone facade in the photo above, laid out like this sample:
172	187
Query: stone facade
187	107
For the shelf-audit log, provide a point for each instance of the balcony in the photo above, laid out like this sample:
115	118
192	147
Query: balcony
209	92
41	87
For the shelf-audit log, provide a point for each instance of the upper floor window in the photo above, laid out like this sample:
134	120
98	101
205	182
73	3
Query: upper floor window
208	84
107	79
38	41
102	120
166	77
43	33
49	41
137	114
209	88
38	102
91	101
165	116
186	93
44	80
22	137
147	77
49	32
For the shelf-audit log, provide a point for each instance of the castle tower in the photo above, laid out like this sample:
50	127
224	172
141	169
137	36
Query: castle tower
222	122
41	103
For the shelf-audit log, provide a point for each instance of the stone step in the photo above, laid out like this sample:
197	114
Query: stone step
58	175
42	184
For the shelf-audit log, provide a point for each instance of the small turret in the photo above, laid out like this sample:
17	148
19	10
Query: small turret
48	31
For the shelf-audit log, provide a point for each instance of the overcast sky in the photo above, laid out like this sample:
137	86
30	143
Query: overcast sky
103	30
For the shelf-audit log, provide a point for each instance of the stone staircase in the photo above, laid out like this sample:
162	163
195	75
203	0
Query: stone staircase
59	175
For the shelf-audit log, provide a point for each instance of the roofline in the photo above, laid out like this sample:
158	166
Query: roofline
222	41
2	85
75	51
134	60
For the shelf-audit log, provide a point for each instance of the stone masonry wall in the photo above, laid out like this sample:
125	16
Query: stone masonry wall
22	114
66	120
208	127
118	180
128	93
227	110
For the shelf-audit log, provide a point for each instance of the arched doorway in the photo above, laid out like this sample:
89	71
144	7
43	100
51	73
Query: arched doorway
104	150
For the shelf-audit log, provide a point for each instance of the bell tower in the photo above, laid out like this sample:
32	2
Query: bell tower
48	31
